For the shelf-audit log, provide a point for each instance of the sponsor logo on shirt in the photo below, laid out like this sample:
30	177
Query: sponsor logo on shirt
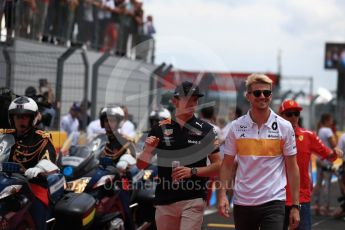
273	135
168	132
273	131
168	140
195	132
199	124
194	142
242	130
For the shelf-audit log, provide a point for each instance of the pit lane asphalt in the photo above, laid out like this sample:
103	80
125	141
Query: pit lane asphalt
212	221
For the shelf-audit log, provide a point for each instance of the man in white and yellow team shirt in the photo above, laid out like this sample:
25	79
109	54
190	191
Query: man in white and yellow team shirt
265	146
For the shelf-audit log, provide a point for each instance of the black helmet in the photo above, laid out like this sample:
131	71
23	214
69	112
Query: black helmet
111	111
23	105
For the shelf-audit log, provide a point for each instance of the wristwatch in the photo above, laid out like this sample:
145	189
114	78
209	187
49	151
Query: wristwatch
193	172
297	206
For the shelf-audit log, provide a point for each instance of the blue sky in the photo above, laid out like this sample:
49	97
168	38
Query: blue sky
246	35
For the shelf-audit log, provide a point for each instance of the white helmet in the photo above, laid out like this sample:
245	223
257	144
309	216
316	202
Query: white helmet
160	114
112	111
23	105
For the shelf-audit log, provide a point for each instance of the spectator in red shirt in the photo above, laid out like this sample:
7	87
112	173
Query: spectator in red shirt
307	143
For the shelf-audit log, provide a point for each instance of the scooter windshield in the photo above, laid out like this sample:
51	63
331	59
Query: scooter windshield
80	151
6	142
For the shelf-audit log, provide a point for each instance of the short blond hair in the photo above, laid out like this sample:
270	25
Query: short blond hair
258	78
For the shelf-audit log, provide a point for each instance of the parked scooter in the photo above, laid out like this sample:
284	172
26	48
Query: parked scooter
142	198
81	162
15	199
85	173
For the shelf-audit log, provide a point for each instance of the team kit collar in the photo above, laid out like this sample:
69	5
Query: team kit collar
272	118
299	134
298	131
189	121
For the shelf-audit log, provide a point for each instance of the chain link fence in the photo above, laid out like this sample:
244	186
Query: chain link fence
123	82
75	75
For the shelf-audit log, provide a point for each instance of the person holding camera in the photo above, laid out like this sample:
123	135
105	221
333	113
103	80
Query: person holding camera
46	99
47	112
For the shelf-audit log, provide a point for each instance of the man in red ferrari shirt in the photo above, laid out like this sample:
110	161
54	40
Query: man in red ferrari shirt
307	143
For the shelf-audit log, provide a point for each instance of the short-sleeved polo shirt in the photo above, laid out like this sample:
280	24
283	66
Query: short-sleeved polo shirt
260	175
190	144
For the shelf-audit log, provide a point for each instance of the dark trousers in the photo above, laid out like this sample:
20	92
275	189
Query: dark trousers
125	199
40	214
268	216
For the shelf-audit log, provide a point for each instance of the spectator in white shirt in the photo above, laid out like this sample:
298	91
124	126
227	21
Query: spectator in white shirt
94	129
127	127
69	123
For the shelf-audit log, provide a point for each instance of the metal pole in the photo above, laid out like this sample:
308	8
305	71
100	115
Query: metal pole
8	68
86	74
159	85
279	74
311	109
94	83
59	78
153	85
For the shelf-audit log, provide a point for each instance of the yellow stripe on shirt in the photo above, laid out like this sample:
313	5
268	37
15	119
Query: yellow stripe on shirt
259	147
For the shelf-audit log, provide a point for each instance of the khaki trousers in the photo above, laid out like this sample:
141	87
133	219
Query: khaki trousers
186	214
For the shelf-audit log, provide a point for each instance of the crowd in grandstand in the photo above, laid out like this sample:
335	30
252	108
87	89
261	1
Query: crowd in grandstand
104	25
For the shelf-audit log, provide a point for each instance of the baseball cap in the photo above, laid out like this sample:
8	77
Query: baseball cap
289	105
75	106
187	89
